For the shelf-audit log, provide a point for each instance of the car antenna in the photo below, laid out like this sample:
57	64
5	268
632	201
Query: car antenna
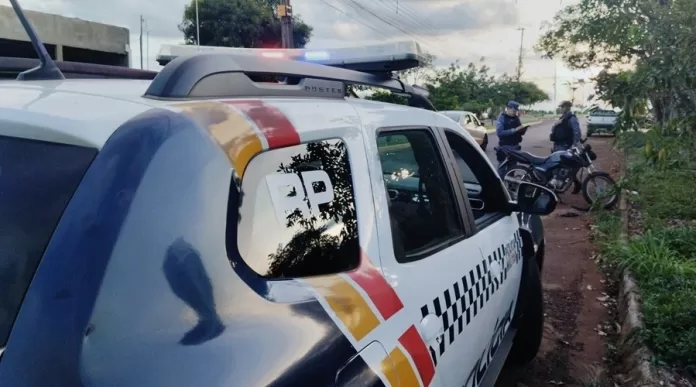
47	69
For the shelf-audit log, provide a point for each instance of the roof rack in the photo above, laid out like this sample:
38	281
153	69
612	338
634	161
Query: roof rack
236	73
11	67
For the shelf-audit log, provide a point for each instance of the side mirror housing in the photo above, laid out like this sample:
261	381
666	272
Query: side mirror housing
535	199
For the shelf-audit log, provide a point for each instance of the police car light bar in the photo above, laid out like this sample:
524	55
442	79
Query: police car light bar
379	58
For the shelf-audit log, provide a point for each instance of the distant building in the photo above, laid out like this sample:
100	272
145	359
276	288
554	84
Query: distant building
66	39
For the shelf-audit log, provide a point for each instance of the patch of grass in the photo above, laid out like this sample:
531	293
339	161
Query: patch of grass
665	194
606	228
665	267
663	258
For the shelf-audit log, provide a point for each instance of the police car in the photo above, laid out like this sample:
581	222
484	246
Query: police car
239	221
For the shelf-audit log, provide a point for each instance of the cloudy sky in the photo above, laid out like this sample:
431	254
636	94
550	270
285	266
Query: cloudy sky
463	30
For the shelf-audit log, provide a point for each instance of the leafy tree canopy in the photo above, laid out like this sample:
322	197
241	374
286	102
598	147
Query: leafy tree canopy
475	89
239	23
654	37
472	88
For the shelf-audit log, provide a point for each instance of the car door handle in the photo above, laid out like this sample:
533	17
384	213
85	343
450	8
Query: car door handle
431	327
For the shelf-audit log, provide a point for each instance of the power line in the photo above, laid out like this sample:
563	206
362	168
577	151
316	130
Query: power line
356	19
363	8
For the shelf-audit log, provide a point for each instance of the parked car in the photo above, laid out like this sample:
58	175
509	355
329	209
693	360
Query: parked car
472	125
601	121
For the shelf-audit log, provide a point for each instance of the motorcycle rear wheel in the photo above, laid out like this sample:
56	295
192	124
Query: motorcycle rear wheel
612	195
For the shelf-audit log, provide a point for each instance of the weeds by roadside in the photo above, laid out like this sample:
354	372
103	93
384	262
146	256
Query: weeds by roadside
661	252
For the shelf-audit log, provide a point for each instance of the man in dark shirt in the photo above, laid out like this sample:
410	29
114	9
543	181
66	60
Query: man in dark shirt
509	129
565	133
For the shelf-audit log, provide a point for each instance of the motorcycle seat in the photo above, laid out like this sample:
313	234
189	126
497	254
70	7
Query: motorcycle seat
527	157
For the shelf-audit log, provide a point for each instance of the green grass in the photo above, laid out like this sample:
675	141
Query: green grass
663	258
665	267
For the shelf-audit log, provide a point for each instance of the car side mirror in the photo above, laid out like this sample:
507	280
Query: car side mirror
535	199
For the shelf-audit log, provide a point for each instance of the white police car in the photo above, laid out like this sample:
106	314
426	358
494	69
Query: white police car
213	227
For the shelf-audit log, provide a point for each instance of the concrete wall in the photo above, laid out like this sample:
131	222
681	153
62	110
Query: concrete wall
66	32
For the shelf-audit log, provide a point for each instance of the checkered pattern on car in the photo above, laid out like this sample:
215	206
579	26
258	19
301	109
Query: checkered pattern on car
462	302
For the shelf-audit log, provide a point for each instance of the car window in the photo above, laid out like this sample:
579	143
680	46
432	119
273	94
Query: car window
485	192
605	113
297	214
454	116
422	206
37	180
467	119
476	121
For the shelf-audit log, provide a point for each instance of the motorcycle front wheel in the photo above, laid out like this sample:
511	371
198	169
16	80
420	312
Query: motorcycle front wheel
606	197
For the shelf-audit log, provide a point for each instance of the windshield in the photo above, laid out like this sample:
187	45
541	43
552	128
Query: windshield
37	180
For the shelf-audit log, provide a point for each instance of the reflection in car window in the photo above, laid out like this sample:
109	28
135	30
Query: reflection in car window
37	180
481	181
466	172
421	203
298	212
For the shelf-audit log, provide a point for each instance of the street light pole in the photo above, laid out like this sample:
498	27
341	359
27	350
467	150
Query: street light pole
198	28
141	42
284	10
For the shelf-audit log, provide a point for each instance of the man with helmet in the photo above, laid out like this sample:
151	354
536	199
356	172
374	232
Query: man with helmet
509	129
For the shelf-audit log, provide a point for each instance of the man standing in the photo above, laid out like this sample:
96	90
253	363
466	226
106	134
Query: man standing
509	129
565	133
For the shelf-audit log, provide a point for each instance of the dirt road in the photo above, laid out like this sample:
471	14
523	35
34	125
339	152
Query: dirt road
573	349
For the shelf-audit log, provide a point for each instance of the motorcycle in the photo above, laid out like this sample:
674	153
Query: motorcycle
558	172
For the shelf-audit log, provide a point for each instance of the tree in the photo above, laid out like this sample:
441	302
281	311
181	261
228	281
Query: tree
654	37
475	89
239	23
472	88
387	96
417	75
312	250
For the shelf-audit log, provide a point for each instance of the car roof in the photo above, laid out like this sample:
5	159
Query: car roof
86	112
81	112
454	111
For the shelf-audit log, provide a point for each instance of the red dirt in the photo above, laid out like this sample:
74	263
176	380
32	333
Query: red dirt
573	353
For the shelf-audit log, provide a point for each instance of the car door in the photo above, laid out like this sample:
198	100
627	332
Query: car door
428	251
496	231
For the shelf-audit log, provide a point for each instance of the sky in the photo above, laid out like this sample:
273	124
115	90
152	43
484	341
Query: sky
463	30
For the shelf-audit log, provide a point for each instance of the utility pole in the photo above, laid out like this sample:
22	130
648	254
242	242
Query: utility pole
555	81
141	41
519	64
147	48
519	60
284	10
198	28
